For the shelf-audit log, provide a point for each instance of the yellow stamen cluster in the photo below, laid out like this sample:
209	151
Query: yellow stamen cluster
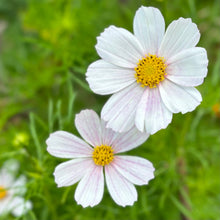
3	192
103	155
150	71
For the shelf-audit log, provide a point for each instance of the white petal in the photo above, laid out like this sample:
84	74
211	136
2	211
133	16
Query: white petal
4	205
19	186
105	78
149	27
6	178
119	47
189	67
179	98
186	81
119	110
108	135
8	171
89	191
152	115
65	145
180	34
70	172
126	141
121	190
89	126
19	206
11	165
135	169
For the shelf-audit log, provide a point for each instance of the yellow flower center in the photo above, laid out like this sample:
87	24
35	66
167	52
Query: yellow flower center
103	155
3	192
150	71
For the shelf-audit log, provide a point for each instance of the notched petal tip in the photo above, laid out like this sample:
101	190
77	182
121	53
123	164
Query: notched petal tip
87	205
149	27
184	19
119	47
88	125
51	136
84	112
147	8
183	32
128	204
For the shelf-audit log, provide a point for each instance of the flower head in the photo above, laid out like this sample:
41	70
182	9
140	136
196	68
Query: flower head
96	155
11	191
151	74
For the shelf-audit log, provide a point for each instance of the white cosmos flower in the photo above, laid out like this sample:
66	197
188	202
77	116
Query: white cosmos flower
12	191
90	163
152	73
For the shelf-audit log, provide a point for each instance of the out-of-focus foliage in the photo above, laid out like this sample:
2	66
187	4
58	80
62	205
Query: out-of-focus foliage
45	49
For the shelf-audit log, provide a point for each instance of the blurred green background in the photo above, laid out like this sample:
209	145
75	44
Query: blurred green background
45	49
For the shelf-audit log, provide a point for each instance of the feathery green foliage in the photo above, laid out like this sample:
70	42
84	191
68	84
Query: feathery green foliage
45	49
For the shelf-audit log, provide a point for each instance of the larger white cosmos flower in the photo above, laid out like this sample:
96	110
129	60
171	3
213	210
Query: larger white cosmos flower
152	73
12	191
121	172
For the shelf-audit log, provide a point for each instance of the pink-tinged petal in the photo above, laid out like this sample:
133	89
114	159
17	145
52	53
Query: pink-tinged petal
121	190
70	172
149	27
119	47
126	141
89	126
181	34
135	169
179	98
189	67
152	115
89	191
108	135
105	78
119	110
65	145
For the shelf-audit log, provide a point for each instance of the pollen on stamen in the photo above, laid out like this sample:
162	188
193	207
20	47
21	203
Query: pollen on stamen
103	155
150	71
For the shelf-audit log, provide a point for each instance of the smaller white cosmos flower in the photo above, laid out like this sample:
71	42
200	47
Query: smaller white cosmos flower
151	74
11	191
90	163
